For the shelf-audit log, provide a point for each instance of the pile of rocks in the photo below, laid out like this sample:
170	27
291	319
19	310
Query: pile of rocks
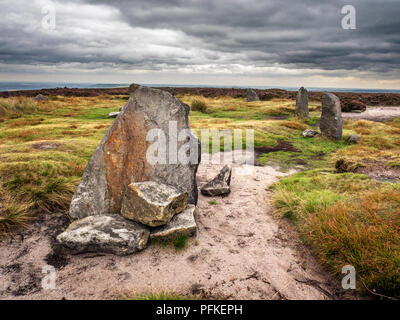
124	199
149	210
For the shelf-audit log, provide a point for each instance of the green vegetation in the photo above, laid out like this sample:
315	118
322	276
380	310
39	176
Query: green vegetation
178	242
347	219
212	202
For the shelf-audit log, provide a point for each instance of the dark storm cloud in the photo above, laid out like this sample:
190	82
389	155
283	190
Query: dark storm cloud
293	34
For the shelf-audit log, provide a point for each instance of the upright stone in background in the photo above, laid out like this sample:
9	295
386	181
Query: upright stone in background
251	95
302	103
40	98
121	157
331	119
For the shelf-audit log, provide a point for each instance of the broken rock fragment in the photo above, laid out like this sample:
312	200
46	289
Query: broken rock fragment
220	184
106	234
153	204
181	224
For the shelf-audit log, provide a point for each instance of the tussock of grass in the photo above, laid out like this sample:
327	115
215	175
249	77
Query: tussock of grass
16	107
347	219
199	105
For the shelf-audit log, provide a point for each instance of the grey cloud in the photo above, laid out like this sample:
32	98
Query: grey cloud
295	34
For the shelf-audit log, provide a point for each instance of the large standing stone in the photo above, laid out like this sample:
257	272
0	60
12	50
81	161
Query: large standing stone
220	184
105	233
302	103
331	119
152	204
121	158
251	95
181	224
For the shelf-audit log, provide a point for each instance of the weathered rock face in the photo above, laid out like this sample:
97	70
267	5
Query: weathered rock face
121	158
152	204
331	119
309	133
182	224
220	184
106	233
302	103
251	95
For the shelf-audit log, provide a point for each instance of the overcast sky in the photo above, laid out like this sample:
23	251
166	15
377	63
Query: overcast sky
270	42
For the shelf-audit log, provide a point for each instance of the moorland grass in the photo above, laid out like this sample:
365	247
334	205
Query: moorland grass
35	179
345	218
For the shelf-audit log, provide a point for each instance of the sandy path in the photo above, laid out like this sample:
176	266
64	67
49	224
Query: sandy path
374	114
241	252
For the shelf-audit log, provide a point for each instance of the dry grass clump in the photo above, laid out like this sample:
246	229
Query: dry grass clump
16	107
347	220
293	125
199	105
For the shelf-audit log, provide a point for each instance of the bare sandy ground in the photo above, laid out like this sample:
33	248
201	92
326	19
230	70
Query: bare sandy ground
241	252
374	114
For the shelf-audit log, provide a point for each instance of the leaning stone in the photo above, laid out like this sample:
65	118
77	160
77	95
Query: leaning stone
113	114
40	97
301	110
309	133
353	139
220	184
331	119
105	234
152	204
182	224
122	156
251	95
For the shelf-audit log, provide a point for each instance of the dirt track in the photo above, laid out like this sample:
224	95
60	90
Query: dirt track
375	114
241	252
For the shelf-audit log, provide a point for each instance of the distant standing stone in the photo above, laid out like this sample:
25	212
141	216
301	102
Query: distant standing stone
40	97
331	119
105	233
220	184
252	95
302	103
152	204
182	224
